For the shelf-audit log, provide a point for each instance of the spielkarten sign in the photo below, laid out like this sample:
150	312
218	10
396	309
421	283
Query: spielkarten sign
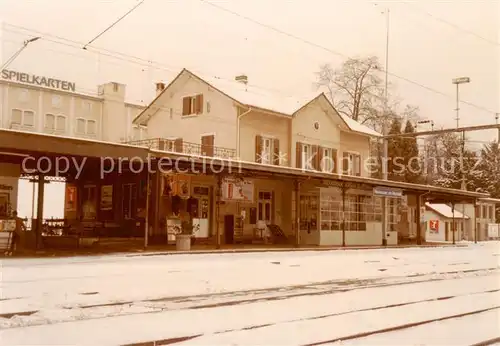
37	80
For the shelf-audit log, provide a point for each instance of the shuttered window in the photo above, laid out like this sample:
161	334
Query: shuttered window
192	105
267	150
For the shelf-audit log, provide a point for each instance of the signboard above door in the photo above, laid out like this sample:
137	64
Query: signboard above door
387	192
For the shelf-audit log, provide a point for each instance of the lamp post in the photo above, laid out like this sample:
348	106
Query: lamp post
457	82
16	54
384	124
5	64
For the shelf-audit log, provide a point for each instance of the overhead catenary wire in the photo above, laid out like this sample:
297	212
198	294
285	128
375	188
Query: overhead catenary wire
308	42
450	24
148	62
142	62
140	103
133	59
114	23
129	60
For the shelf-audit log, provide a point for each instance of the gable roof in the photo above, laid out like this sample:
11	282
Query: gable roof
256	97
446	211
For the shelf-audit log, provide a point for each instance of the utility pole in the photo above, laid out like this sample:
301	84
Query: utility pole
384	128
457	82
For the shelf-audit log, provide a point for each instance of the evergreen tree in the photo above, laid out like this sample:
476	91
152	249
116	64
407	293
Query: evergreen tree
395	164
489	172
410	154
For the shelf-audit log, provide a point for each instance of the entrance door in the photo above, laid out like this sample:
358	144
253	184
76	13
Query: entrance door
207	145
229	229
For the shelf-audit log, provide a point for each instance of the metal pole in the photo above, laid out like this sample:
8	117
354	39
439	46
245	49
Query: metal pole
386	101
453	221
343	215
475	221
146	222
418	217
33	204
458	107
217	212
39	210
297	213
385	153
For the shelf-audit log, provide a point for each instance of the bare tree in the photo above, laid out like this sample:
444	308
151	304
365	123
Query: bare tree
355	89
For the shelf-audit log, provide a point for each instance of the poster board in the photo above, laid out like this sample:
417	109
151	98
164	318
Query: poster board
238	190
434	226
106	197
70	201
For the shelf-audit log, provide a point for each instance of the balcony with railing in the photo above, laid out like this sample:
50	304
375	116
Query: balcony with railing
179	146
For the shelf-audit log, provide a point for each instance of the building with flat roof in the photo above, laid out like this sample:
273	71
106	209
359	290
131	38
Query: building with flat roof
49	105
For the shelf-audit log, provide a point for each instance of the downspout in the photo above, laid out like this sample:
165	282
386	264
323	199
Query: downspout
238	130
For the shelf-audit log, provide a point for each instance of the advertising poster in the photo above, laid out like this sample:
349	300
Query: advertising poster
70	200
434	226
238	190
107	197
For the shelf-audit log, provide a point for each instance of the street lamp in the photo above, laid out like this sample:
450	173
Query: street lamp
457	82
385	144
16	54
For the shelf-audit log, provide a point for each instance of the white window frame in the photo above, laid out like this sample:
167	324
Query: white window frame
352	168
327	165
267	156
192	105
23	121
306	154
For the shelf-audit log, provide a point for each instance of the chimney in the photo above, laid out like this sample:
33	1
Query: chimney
160	86
242	79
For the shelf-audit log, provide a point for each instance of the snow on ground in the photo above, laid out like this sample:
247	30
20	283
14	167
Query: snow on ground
282	298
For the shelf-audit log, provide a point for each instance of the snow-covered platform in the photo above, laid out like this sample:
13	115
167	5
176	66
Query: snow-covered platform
442	295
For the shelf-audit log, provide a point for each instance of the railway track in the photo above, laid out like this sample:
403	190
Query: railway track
354	336
406	326
207	301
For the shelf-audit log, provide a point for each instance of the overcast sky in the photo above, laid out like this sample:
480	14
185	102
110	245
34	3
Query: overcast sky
190	33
